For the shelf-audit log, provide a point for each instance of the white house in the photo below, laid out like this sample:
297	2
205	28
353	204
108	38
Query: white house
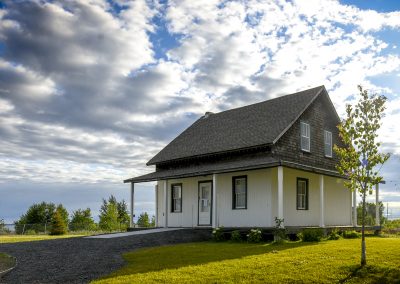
243	167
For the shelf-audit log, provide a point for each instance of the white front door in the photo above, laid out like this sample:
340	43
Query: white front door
205	200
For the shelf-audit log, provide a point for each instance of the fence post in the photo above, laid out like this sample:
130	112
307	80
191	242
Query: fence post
45	225
23	229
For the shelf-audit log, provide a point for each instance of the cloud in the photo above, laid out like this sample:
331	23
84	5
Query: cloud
85	96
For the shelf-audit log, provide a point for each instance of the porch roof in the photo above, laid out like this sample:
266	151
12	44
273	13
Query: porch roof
247	163
242	164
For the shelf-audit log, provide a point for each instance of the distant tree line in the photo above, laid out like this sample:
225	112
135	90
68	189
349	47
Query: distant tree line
370	216
54	219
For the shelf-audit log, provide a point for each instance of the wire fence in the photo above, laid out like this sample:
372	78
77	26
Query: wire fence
45	228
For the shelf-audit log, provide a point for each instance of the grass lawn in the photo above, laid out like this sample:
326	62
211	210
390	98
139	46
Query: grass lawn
6	262
29	238
209	262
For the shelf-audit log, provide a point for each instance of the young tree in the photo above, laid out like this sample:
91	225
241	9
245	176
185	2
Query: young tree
123	215
82	220
153	221
109	215
63	213
144	220
360	155
58	224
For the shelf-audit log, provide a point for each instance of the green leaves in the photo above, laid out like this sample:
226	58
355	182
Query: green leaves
360	156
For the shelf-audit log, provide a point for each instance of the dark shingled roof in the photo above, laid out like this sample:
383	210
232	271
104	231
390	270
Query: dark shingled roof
245	127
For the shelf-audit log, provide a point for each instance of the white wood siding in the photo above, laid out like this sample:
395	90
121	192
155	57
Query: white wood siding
261	200
337	203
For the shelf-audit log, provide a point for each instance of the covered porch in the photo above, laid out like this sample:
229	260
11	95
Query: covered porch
278	203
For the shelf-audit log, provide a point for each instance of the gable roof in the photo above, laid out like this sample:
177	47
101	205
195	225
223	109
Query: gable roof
240	128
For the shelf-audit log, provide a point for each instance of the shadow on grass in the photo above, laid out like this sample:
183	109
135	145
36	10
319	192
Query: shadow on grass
182	255
372	274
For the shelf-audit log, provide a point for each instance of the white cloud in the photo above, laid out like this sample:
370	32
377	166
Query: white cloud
82	92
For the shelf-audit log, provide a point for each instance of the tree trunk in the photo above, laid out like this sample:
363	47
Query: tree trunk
363	246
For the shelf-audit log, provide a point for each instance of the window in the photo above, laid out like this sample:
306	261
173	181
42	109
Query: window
302	194
239	192
176	193
305	136
328	143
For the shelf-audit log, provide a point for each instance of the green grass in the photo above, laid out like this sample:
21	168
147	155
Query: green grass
208	262
6	262
4	239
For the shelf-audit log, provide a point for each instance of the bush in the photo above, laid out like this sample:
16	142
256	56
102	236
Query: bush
236	236
312	235
280	233
351	235
30	232
334	235
218	234
254	236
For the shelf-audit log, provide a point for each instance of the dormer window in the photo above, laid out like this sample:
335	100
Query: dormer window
328	143
305	136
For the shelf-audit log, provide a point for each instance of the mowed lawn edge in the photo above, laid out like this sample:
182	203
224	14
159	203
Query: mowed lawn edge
205	262
8	239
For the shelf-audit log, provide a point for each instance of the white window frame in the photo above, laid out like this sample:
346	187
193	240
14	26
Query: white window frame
328	143
305	137
176	199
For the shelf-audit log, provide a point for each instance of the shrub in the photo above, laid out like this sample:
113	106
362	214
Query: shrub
334	235
351	235
280	233
30	232
217	234
254	236
312	235
236	236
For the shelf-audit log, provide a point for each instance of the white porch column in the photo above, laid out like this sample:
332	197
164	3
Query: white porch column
166	203
321	202
354	208
156	205
280	192
214	202
132	204
377	219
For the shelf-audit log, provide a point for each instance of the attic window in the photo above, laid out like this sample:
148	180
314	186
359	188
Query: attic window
328	143
305	136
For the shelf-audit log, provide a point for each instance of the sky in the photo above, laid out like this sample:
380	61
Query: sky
91	90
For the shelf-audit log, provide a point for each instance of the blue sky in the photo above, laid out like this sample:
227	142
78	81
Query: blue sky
91	90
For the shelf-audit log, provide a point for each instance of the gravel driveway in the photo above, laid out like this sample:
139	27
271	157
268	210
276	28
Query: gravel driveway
79	260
